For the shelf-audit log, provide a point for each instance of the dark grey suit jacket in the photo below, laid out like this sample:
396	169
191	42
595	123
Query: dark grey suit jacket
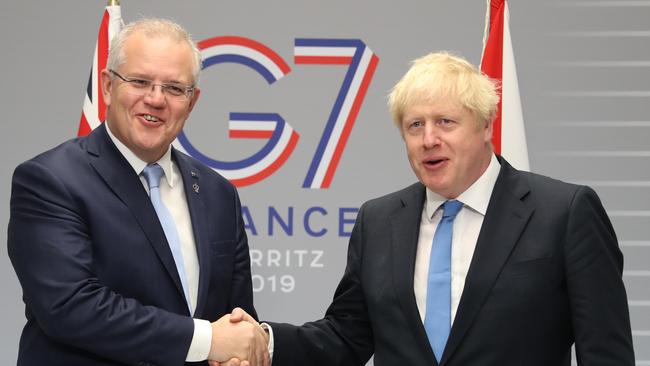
99	281
546	273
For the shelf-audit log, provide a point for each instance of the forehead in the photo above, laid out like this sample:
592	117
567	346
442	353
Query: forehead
157	55
434	107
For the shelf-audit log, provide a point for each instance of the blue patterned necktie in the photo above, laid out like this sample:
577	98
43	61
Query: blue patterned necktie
152	173
437	321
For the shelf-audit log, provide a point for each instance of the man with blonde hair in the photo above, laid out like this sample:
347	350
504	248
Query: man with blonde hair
477	263
128	251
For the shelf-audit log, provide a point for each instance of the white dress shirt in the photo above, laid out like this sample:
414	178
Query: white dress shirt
173	196
467	226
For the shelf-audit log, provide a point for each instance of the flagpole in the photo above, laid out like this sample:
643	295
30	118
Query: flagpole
486	30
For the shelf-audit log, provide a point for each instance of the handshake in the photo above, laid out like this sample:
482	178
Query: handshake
238	340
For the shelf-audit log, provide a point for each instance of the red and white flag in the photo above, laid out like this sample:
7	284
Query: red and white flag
94	108
509	136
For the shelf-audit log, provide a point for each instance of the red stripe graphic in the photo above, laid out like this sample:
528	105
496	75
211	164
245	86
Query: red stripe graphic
271	168
349	123
323	60
249	43
247	134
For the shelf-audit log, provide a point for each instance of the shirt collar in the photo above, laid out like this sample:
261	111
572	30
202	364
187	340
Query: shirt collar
138	164
476	197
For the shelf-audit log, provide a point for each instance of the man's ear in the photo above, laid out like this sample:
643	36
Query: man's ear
106	86
488	128
195	97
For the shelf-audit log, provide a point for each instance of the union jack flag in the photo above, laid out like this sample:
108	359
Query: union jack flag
94	108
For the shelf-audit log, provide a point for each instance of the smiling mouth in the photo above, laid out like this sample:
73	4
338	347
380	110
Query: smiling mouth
150	118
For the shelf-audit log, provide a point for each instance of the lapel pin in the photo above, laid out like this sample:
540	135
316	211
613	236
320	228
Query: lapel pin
195	187
193	174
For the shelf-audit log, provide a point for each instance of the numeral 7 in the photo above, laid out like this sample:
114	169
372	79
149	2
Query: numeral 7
362	64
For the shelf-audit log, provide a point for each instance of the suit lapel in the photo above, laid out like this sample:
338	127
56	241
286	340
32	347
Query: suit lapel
191	181
405	228
505	219
125	183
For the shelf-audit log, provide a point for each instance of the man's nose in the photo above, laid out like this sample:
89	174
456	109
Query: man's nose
431	136
155	96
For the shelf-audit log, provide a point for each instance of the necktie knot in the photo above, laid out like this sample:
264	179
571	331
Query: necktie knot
152	174
451	208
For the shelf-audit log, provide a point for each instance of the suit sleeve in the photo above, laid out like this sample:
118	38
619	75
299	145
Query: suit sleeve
344	336
598	301
52	253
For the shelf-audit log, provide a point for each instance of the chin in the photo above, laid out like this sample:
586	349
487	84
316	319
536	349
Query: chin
438	188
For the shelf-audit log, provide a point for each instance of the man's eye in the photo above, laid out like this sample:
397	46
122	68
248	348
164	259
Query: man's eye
174	90
140	83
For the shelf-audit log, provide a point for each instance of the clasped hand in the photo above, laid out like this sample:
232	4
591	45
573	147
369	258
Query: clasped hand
238	340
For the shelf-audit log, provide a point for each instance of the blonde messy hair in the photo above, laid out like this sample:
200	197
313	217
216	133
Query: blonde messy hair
441	75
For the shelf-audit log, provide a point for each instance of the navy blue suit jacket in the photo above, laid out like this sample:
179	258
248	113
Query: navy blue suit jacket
99	282
546	273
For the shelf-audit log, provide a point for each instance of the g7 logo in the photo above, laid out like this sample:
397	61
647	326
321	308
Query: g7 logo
282	138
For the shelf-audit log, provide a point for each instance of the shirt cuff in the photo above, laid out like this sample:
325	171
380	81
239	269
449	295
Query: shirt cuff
268	328
201	341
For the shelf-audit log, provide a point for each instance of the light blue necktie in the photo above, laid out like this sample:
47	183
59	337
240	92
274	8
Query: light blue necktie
152	173
437	321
